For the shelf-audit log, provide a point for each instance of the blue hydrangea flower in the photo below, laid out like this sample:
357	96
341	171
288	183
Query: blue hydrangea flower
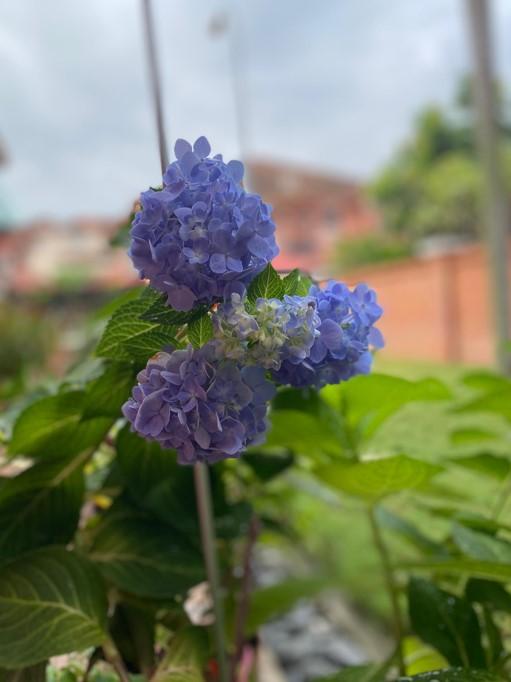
267	332
202	231
345	334
205	407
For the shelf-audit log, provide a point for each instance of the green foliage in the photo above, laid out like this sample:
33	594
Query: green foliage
94	510
51	602
200	331
371	249
433	185
267	284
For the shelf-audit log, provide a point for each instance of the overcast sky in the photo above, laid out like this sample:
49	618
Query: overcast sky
332	84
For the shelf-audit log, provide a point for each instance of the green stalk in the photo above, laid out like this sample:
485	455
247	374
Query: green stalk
392	588
207	529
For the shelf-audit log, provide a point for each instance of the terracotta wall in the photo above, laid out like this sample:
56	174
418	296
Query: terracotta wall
436	308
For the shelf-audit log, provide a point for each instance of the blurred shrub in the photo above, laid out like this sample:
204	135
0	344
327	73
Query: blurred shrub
374	248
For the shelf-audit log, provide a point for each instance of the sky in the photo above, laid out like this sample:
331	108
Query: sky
330	84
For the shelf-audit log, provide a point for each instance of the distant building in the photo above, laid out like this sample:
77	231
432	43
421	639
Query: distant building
313	212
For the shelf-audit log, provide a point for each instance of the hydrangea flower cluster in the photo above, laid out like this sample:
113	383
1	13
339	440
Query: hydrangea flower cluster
205	408
345	333
202	231
203	239
268	332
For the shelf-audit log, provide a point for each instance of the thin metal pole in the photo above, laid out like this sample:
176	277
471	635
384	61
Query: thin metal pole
205	511
497	217
154	77
201	474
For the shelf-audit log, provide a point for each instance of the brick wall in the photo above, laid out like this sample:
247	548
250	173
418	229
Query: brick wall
436	308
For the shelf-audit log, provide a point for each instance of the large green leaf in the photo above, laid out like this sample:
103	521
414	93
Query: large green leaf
447	622
367	401
41	506
156	483
296	283
161	312
269	602
33	673
358	673
488	593
481	545
185	658
409	531
106	394
470	435
466	567
128	337
485	463
377	478
200	330
267	284
301	432
53	427
144	557
51	602
498	401
266	465
453	675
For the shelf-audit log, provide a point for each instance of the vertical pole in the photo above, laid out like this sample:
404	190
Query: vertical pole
497	219
201	474
154	77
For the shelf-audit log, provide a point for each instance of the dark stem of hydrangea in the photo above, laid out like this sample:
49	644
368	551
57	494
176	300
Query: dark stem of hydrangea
207	529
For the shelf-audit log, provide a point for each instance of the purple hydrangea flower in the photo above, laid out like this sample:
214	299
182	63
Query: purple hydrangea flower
267	332
205	407
346	332
202	231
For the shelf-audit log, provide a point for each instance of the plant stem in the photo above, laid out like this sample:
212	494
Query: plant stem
207	528
392	588
244	597
115	660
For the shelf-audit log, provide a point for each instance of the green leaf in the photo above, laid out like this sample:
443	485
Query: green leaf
485	463
51	602
110	307
270	602
34	673
200	331
185	658
368	401
498	402
161	312
488	593
481	546
447	622
41	506
358	673
468	567
407	530
267	284
133	630
266	465
485	380
296	283
106	394
377	478
301	432
453	675
127	337
471	435
53	427
156	483
144	557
